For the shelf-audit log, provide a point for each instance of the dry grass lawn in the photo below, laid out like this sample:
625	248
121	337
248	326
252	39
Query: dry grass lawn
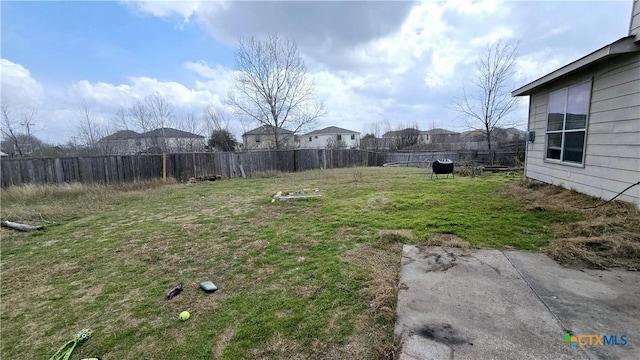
297	279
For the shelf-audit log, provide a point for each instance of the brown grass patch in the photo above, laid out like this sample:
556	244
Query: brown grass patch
223	340
387	237
607	237
384	266
279	347
447	240
378	202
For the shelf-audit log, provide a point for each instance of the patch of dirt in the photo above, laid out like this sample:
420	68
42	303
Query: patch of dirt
607	237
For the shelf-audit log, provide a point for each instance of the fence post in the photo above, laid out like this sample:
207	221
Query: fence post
164	166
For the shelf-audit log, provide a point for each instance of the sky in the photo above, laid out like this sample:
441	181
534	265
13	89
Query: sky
394	63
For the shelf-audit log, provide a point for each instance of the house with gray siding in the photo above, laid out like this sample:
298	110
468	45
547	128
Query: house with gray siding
439	136
584	120
264	138
127	142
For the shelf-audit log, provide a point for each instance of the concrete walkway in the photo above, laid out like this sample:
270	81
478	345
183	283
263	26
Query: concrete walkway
489	304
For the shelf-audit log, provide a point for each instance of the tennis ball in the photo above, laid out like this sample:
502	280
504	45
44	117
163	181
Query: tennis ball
184	316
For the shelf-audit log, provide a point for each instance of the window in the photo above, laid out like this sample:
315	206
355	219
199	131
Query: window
310	139
316	136
257	138
339	137
567	123
353	137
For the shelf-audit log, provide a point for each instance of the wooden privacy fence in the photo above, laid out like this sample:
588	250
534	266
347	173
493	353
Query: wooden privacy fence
128	168
464	157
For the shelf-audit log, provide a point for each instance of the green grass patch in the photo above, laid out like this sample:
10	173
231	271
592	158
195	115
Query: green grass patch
296	278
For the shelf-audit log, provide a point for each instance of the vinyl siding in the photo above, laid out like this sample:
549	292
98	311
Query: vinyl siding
634	28
612	154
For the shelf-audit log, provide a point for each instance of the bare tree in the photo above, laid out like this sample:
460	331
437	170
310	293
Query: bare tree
214	119
141	120
160	112
372	139
336	143
272	87
121	118
9	131
17	129
403	136
191	124
88	128
90	131
489	102
28	120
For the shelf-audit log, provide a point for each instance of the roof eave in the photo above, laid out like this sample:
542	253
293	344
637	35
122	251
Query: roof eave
621	46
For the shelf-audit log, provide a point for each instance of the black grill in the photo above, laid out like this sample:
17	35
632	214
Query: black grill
442	166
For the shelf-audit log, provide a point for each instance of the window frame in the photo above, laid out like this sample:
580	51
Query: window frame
564	130
258	139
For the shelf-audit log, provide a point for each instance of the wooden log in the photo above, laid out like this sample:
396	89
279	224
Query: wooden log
21	227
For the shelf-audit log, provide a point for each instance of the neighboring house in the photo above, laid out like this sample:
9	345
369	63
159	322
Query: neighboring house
331	137
173	140
126	142
586	119
477	139
123	142
401	139
400	133
415	139
376	143
263	138
439	136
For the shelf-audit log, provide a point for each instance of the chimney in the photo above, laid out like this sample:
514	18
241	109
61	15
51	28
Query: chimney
634	26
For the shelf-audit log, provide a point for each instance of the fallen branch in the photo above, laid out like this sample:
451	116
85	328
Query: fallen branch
21	227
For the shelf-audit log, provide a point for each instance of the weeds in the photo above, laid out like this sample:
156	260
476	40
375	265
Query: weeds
605	237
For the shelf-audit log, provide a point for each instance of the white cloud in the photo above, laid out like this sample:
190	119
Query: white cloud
169	8
117	95
492	37
537	64
219	79
18	86
58	115
345	106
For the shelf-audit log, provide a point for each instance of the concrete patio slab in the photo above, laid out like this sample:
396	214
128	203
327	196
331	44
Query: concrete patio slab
587	301
475	304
